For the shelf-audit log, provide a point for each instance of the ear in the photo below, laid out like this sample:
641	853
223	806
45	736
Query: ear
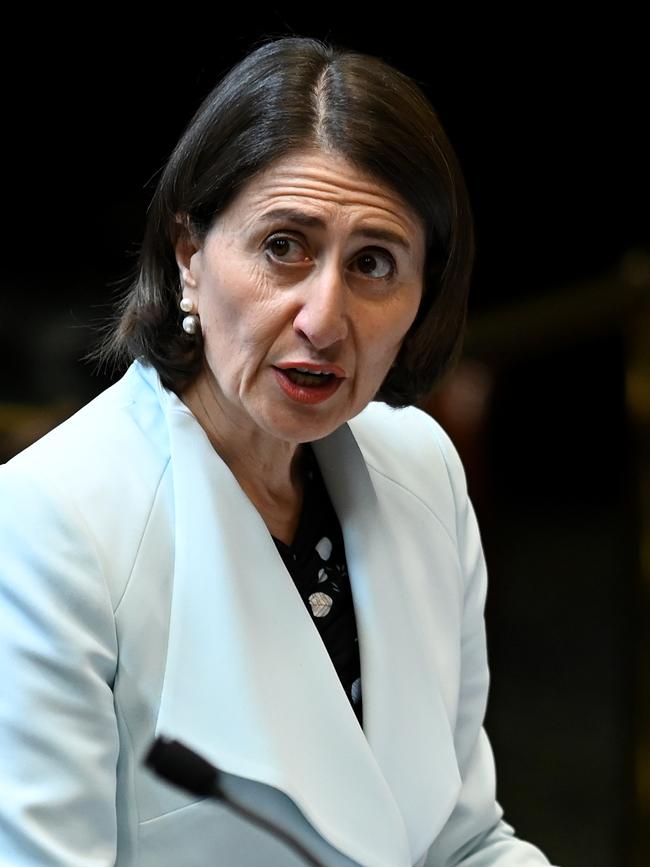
185	246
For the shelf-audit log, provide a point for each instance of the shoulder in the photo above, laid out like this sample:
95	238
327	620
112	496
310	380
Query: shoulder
121	424
411	448
94	477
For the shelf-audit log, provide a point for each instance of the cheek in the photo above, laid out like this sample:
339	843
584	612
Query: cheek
384	337
243	326
233	299
406	317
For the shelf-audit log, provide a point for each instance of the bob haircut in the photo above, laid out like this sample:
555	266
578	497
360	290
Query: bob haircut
290	93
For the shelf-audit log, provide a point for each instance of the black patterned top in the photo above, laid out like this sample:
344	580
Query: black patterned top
316	562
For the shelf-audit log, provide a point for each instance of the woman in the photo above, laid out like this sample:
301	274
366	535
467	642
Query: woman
254	534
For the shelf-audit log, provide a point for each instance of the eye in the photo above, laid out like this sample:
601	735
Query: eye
369	259
278	246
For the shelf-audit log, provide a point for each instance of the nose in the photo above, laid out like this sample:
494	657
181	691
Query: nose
323	315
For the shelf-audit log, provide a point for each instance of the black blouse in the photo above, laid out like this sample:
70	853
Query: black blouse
316	562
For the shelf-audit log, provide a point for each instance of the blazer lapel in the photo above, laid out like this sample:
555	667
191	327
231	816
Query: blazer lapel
404	580
248	681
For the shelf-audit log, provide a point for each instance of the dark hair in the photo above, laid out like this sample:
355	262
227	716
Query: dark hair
289	93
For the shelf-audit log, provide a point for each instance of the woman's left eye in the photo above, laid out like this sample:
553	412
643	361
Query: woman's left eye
368	260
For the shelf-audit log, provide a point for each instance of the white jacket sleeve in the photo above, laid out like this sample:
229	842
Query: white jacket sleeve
58	652
475	834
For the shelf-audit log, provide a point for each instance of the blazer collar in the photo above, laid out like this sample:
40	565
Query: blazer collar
250	685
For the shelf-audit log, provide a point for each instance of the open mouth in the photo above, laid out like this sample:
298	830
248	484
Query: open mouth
313	380
307	386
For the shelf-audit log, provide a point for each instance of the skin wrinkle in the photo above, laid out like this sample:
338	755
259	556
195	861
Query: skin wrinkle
323	192
259	308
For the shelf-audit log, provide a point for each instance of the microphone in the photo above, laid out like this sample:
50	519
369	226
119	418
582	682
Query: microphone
178	764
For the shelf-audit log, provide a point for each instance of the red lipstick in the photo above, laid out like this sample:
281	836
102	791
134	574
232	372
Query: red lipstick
307	389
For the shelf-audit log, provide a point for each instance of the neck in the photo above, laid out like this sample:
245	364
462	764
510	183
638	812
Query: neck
268	470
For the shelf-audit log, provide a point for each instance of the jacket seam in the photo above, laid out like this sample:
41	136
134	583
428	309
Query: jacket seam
451	484
142	535
133	831
174	810
416	497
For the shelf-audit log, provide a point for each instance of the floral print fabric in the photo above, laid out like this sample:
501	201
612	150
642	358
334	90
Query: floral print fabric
316	562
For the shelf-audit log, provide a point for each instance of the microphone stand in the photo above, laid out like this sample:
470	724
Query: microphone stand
178	764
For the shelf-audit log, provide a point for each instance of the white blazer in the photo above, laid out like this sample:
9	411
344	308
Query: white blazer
141	594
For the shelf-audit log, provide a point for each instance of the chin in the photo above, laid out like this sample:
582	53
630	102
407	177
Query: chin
305	430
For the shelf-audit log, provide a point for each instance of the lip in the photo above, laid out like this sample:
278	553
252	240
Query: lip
304	393
316	368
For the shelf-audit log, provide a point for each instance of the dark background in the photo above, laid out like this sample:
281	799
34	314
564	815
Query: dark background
548	119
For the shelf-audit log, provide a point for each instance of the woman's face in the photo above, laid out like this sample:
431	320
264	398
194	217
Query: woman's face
334	281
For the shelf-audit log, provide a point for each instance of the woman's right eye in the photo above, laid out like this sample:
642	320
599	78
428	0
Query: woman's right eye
279	245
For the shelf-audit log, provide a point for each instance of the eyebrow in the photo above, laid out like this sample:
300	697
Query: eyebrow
303	219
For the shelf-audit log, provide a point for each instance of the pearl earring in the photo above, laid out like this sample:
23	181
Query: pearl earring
190	323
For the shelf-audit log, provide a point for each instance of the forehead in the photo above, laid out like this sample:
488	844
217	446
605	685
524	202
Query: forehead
325	190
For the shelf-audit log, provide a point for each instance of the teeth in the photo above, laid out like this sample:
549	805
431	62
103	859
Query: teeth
313	372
